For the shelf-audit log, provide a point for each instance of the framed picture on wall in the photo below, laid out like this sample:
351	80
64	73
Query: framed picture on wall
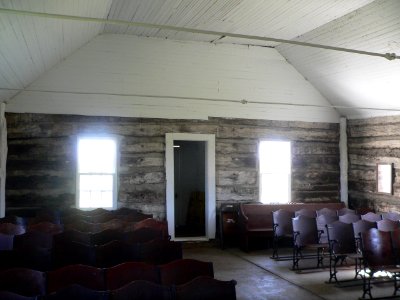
384	178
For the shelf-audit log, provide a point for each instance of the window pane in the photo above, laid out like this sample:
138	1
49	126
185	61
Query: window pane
275	188
95	191
275	169
274	157
97	155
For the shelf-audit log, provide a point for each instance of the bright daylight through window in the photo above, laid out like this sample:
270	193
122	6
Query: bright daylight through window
275	170
97	172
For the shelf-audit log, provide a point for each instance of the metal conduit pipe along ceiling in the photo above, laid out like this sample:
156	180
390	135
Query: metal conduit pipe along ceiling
389	56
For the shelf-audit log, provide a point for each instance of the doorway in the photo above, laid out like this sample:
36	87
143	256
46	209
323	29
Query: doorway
190	170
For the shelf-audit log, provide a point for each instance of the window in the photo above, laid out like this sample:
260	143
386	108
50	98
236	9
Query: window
97	172
275	168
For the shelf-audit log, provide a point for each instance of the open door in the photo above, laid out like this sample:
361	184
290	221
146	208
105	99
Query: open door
190	171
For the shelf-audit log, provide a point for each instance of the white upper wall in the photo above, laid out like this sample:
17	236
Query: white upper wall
120	75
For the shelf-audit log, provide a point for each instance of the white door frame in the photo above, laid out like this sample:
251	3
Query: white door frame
210	182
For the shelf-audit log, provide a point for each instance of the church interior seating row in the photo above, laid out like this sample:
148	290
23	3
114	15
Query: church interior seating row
71	215
255	220
45	249
381	253
312	232
283	228
371	241
41	258
200	288
28	282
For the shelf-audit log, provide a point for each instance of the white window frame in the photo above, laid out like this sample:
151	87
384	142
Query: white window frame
115	175
288	174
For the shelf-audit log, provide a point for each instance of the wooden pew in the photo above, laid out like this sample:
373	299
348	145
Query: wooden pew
255	219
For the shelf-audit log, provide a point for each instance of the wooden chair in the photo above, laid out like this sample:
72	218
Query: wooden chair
87	276
116	224
46	215
94	212
32	258
116	252
105	236
394	216
143	235
10	259
349	218
364	210
5	295
305	212
360	227
326	212
72	235
75	253
6	241
144	290
378	256
11	228
160	251
33	249
283	229
17	220
342	246
206	288
306	236
46	227
322	221
124	211
122	274
77	292
131	215
33	239
84	226
395	235
99	218
371	217
387	225
155	224
184	270
61	246
69	219
253	222
345	211
23	281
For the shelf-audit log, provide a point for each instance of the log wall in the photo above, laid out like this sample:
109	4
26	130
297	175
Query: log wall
42	158
372	141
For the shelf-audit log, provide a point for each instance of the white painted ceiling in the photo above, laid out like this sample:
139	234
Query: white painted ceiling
32	45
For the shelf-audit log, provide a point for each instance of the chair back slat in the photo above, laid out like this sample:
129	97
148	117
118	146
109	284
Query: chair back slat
344	211
387	225
341	238
322	221
377	248
349	218
282	220
122	274
371	217
305	231
184	270
206	288
84	275
305	212
394	216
